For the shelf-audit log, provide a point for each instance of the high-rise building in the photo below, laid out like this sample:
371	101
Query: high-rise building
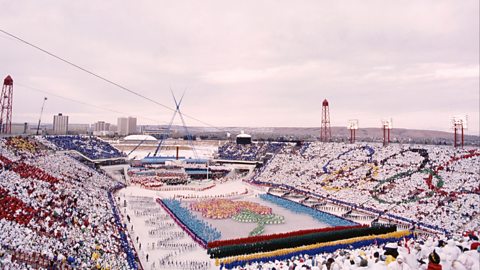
101	126
122	123
60	124
132	125
126	126
113	128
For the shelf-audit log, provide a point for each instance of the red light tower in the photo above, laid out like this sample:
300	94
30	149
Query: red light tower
386	126
352	126
325	132
459	122
6	106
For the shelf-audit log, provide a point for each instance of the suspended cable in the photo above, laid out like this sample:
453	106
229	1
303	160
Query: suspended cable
81	102
102	77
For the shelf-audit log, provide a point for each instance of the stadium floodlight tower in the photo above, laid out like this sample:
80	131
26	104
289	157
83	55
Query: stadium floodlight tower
459	122
352	126
325	132
386	126
6	106
40	118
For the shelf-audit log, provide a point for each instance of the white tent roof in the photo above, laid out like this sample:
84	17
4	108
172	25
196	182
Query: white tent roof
139	138
243	135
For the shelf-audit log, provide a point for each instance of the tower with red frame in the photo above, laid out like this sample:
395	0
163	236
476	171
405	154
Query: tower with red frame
386	127
352	126
6	106
459	123
325	131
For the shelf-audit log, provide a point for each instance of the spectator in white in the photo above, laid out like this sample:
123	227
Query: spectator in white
399	264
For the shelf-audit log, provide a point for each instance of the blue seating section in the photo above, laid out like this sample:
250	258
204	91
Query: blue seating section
89	146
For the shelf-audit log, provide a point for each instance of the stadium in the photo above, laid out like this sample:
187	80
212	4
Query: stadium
302	205
240	135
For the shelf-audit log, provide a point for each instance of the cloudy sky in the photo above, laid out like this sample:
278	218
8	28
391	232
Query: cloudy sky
247	63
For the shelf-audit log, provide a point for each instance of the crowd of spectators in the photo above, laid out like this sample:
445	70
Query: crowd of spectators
56	210
250	152
433	185
423	253
90	146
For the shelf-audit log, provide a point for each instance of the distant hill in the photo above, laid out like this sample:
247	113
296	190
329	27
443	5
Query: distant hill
338	133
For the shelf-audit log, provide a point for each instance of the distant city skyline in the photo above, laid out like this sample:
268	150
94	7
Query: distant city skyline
251	64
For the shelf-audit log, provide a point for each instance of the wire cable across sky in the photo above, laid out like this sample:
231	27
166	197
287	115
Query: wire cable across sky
102	77
50	94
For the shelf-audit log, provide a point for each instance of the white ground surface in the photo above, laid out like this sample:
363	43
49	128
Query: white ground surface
229	228
201	153
138	228
141	230
293	221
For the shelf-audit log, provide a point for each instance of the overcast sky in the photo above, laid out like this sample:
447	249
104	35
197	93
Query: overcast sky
248	63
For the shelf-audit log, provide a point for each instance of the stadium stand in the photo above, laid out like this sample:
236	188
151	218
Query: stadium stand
425	253
92	147
57	213
250	152
436	186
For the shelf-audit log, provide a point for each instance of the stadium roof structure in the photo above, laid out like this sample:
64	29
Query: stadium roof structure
190	138
139	138
243	135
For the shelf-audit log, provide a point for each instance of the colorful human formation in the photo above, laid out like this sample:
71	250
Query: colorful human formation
224	208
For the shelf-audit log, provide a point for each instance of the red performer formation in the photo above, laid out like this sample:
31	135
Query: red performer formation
325	132
6	106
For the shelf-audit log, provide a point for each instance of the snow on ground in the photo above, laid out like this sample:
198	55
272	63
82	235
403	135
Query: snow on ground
217	190
293	221
132	193
137	198
148	244
203	151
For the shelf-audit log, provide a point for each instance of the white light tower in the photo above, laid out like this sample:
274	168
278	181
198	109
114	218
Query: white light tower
386	126
459	122
352	126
